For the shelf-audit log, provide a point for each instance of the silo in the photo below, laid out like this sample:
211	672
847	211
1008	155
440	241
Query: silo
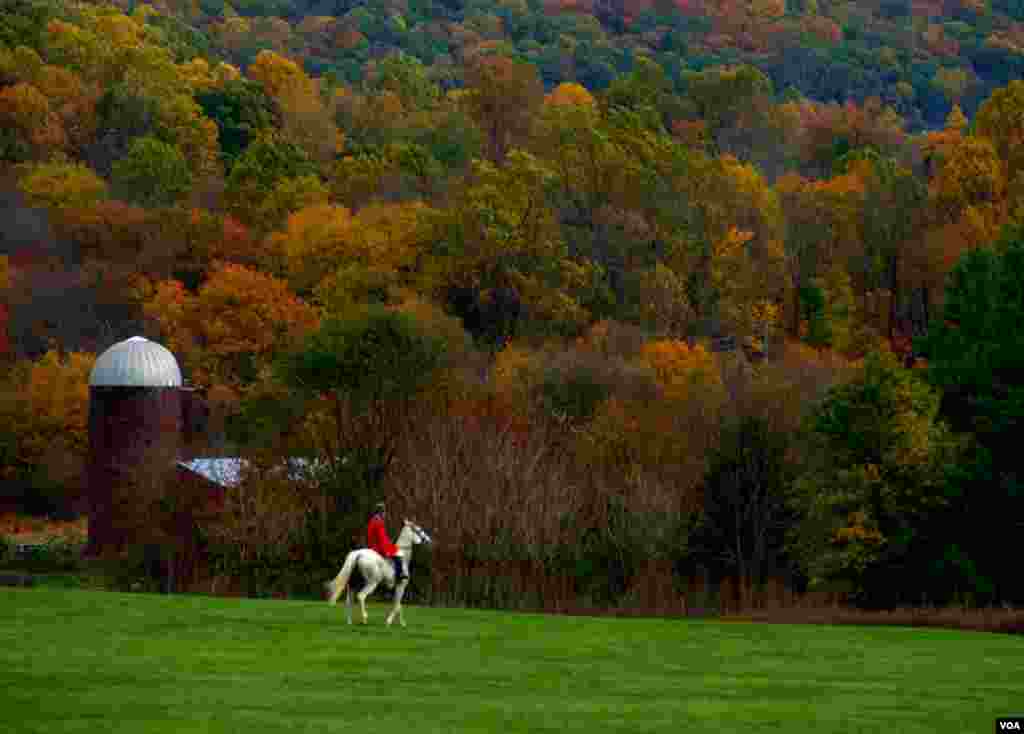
134	408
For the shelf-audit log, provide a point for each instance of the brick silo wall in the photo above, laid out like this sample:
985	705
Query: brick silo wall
125	424
204	500
195	417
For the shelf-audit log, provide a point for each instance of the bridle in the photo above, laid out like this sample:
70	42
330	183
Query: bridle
420	533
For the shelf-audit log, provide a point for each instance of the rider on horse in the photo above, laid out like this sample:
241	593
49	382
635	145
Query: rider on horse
377	539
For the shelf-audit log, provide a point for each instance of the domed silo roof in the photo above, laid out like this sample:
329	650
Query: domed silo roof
136	362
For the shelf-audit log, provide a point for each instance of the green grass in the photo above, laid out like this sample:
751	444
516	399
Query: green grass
86	661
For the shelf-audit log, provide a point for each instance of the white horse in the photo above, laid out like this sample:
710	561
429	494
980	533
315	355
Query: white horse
373	568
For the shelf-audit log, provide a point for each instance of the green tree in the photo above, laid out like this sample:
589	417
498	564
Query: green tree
830	310
153	173
814	311
502	96
975	353
873	483
259	171
368	368
894	207
356	378
240	109
722	97
502	260
407	77
417	165
976	348
122	115
24	22
740	529
646	91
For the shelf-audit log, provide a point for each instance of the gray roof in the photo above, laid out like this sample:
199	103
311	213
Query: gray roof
224	472
227	471
136	362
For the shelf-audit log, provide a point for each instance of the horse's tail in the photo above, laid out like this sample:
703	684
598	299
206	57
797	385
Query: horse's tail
340	581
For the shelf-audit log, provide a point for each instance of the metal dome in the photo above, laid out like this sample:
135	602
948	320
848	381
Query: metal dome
136	362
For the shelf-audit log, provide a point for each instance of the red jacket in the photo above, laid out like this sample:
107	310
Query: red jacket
377	538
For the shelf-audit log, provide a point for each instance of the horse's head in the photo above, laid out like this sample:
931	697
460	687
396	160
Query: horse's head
419	535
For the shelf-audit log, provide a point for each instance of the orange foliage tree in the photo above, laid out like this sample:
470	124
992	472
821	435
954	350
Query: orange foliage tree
229	330
682	370
26	110
570	93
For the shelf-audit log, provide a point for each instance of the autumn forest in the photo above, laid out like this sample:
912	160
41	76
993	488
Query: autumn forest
602	286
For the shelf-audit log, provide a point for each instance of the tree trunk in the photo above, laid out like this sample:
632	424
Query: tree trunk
894	293
926	304
795	326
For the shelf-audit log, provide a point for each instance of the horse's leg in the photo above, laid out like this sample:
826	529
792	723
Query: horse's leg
394	608
348	603
399	592
361	596
367	590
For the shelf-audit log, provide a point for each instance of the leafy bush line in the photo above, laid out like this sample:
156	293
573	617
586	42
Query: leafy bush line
52	554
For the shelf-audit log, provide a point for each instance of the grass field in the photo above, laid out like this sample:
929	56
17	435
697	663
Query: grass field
84	661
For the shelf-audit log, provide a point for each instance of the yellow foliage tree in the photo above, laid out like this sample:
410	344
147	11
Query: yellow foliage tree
106	46
732	195
288	196
61	184
742	306
313	243
198	75
20	63
999	119
664	302
59	84
509	238
194	133
304	118
320	240
46	409
766	10
58	391
225	72
514	371
972	175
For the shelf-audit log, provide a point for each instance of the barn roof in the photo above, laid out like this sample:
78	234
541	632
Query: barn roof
136	362
227	471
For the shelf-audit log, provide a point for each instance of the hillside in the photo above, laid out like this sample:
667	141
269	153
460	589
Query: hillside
544	272
917	56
